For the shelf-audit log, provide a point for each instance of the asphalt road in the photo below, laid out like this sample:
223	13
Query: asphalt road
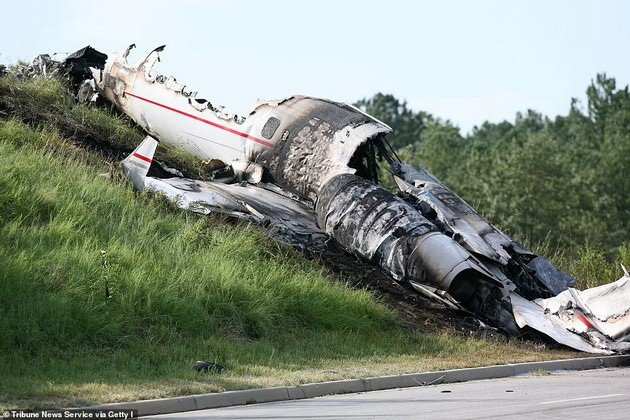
595	394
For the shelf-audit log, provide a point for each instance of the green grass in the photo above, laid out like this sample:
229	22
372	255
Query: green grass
48	104
590	265
188	275
109	295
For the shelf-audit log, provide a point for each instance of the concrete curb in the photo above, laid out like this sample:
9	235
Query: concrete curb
254	396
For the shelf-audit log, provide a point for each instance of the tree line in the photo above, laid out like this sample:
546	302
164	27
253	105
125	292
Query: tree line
551	182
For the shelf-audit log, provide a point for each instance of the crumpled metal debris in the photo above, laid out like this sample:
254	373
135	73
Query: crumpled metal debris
76	66
76	69
598	318
284	218
41	66
308	170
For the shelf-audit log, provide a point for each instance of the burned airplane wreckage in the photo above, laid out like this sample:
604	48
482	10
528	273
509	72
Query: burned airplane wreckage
308	170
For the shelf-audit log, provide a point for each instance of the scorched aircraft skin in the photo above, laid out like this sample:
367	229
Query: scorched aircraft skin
308	170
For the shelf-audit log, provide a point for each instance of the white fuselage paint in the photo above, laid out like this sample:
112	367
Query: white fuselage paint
175	118
175	121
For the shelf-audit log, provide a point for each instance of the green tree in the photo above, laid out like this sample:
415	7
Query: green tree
563	181
406	123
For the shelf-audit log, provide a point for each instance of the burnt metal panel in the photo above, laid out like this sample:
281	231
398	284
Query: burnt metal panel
314	136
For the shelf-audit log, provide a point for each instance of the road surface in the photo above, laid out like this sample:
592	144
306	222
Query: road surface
594	394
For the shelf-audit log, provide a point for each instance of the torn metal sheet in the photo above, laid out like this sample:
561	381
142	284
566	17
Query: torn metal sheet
595	319
603	308
530	314
308	170
76	69
285	219
77	65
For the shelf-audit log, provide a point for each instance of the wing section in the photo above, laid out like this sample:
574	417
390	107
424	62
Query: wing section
284	217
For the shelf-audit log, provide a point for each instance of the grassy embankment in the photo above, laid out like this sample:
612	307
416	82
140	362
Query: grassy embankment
82	327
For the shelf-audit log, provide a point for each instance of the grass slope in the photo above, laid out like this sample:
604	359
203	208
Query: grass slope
107	295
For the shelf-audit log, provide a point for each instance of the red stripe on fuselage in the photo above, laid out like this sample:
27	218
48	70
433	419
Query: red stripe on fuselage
203	120
139	156
584	320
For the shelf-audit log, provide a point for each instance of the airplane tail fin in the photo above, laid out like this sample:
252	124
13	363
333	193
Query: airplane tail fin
137	164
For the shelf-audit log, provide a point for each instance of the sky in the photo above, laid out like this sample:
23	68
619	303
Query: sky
465	61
